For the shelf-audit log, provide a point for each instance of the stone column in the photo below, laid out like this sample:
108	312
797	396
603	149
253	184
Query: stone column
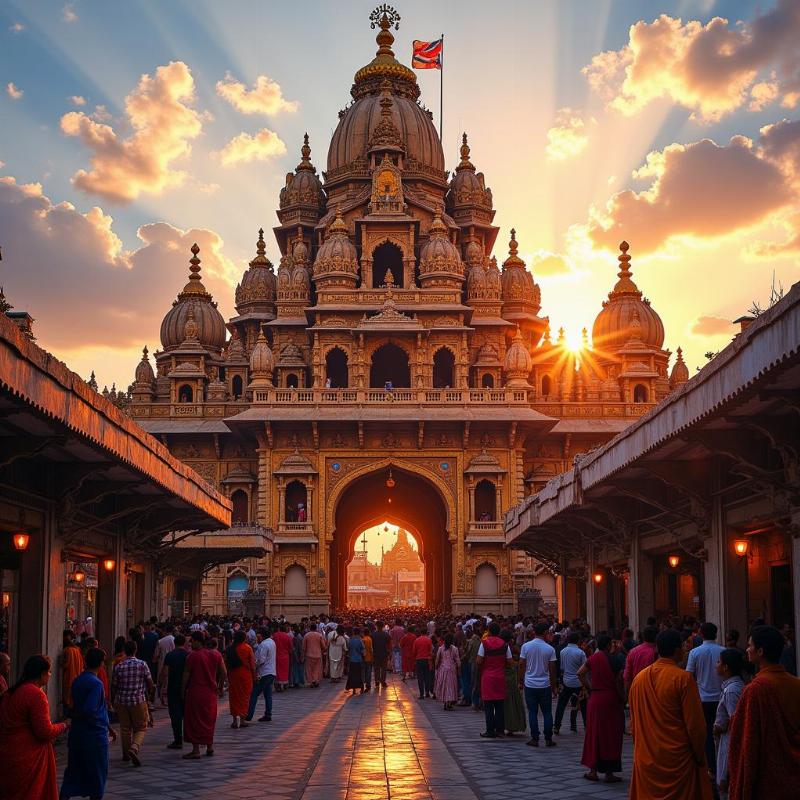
715	573
281	503
591	600
795	534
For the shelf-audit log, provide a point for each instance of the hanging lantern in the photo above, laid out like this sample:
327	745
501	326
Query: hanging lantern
674	561
21	540
390	480
79	576
109	564
740	547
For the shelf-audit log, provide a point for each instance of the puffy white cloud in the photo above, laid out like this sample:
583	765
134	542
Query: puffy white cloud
712	326
266	96
762	94
77	100
13	91
710	69
16	27
244	148
568	137
68	13
544	263
71	272
163	127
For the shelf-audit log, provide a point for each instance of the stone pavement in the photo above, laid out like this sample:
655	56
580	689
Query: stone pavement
325	745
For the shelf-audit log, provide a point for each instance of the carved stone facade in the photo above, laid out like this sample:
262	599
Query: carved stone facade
390	342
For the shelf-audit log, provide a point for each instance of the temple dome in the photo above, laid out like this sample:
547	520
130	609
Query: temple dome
680	372
144	371
303	186
468	187
337	260
615	324
257	287
517	283
194	298
518	363
262	362
439	260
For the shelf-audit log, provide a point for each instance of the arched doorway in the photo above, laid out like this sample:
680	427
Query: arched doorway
237	387
336	368
486	583
390	365
387	256
485	501
296	502
240	514
418	506
640	393
444	367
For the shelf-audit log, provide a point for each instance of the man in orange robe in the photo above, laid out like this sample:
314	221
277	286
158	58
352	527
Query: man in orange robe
71	668
669	730
764	743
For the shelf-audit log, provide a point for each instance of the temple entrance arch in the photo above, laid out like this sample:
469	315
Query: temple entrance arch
418	504
390	367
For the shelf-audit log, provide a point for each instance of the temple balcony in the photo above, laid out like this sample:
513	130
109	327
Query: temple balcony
384	397
480	531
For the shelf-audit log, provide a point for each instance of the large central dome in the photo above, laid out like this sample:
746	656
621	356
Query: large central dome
357	123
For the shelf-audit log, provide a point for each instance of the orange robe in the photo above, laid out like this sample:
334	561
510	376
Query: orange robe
72	667
764	749
669	735
240	680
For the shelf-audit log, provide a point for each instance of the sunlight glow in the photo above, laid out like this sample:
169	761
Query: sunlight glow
574	341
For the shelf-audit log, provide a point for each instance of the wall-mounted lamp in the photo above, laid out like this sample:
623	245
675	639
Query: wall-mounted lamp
674	561
21	540
109	564
598	577
79	576
740	547
6	599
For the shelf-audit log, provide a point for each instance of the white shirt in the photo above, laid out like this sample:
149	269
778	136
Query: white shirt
702	663
508	651
265	658
537	655
165	645
572	659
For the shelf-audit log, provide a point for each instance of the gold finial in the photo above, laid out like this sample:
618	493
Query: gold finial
624	284
624	260
465	162
585	337
561	334
679	356
145	353
261	247
194	261
438	228
338	225
384	17
512	245
305	156
547	332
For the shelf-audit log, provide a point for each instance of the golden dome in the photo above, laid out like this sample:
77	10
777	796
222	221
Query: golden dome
517	283
210	326
439	260
336	263
468	187
680	372
626	314
518	363
303	186
256	291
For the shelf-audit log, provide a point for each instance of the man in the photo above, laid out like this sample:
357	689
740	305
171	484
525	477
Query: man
668	729
87	742
471	647
423	655
314	647
641	656
171	676
266	652
537	674
764	743
5	672
165	644
571	658
381	641
71	668
131	683
702	663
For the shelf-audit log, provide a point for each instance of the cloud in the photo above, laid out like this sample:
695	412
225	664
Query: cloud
701	189
163	128
762	94
77	100
544	263
780	143
68	13
14	92
710	69
568	137
70	271
712	326
244	148
266	96
17	27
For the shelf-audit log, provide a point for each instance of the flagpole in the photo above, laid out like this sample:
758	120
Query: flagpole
441	93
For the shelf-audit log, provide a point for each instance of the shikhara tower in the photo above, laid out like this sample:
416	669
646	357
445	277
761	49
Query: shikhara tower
389	341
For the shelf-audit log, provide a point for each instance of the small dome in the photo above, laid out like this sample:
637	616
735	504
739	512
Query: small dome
518	362
194	297
680	372
235	352
303	187
336	263
262	362
439	260
144	371
493	279
468	187
517	283
617	322
256	291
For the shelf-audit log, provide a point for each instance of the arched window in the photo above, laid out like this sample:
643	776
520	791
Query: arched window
546	386
237	387
390	366
387	257
640	393
487	381
237	586
185	394
296	502
486	581
336	368
444	365
241	513
292	381
295	582
486	501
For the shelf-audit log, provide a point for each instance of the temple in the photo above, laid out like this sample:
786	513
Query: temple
391	368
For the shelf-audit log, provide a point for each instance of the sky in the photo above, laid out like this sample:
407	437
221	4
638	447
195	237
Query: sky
379	539
130	130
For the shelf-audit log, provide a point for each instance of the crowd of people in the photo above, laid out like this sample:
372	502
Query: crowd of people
707	720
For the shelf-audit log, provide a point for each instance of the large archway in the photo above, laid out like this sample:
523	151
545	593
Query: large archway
416	505
390	367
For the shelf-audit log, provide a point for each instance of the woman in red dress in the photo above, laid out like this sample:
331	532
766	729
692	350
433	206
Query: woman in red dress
407	653
241	676
26	736
493	656
204	669
605	714
283	653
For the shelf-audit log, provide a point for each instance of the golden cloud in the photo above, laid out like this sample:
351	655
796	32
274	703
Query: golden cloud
266	96
13	91
710	69
568	137
712	326
244	148
77	100
164	126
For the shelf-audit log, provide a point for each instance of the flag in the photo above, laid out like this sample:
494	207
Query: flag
427	55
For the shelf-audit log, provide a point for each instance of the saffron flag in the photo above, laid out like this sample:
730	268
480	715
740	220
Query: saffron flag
427	55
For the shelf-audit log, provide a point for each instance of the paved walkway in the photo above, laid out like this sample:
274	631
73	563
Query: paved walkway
325	745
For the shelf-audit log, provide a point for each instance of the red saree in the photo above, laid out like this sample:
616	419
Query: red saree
240	680
200	715
605	719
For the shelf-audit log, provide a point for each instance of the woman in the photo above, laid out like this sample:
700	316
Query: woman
26	736
729	668
204	671
283	650
297	678
605	714
493	657
407	654
355	653
336	646
513	708
241	677
447	671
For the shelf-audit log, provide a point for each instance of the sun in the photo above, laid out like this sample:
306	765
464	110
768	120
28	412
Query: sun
574	341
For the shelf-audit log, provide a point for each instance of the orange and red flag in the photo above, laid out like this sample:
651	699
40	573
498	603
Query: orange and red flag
427	55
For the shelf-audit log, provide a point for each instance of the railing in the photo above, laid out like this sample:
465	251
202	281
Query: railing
384	397
485	527
295	527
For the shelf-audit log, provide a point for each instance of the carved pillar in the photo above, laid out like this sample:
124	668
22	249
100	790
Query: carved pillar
281	501
471	499
310	499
